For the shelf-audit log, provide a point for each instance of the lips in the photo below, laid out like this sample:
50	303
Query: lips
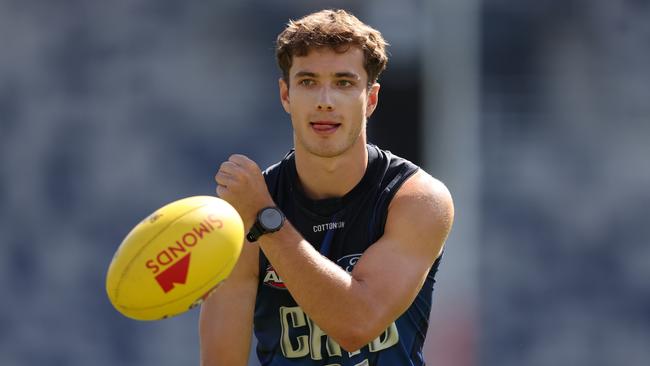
324	127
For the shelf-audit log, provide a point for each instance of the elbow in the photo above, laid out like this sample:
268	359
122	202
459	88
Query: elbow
376	329
353	342
372	324
359	334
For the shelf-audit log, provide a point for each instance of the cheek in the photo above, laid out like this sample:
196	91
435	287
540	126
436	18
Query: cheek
362	104
299	101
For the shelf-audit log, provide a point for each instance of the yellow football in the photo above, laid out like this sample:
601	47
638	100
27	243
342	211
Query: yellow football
171	260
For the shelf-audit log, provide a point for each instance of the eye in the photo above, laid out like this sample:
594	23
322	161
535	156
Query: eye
306	82
344	83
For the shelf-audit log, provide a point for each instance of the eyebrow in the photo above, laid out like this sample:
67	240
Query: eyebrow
301	74
343	74
347	75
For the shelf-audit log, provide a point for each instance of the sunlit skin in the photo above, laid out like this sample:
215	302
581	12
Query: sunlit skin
329	101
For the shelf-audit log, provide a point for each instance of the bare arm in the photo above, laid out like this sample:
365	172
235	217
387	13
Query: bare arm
226	320
386	279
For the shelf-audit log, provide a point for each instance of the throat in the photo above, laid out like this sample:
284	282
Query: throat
325	186
330	178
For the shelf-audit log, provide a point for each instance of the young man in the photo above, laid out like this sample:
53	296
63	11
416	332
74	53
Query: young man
345	238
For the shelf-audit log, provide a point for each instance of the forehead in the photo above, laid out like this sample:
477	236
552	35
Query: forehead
326	61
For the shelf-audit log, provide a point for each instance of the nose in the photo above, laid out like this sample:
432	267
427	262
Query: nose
325	102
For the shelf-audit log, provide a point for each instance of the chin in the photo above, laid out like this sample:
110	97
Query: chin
326	151
328	148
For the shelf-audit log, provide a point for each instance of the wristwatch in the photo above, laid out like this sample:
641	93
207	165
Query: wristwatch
269	220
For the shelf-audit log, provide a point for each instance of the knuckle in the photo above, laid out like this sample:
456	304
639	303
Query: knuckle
223	192
226	166
240	159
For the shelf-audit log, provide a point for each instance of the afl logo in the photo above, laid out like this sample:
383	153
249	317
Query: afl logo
272	279
348	262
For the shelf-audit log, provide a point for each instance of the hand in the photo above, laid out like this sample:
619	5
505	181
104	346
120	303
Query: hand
240	183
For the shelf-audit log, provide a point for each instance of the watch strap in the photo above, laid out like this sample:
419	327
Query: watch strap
260	229
255	232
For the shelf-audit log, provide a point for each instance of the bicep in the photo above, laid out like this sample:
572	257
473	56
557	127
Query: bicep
394	268
226	319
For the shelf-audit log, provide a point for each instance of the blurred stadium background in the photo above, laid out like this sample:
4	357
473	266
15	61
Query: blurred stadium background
535	113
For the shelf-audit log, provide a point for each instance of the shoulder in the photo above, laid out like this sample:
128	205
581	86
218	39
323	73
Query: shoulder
422	186
275	172
275	168
423	205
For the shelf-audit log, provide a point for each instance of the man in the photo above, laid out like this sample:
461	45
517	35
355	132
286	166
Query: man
344	238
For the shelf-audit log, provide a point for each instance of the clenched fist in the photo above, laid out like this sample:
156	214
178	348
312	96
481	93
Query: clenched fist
240	183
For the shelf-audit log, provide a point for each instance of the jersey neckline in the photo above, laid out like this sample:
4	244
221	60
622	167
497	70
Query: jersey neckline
329	206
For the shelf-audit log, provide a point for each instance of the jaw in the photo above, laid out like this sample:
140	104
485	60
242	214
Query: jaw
327	149
330	172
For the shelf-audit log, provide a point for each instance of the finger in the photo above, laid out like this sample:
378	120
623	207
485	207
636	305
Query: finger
219	176
243	161
229	167
222	192
224	179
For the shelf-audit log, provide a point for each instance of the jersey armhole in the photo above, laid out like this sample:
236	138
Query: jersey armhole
380	211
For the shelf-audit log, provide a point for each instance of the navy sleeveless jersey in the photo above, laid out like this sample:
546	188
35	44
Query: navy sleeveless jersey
341	229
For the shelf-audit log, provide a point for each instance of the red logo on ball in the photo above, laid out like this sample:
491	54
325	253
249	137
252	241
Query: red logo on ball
177	273
174	260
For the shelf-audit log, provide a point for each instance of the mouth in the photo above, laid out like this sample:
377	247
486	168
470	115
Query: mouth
324	127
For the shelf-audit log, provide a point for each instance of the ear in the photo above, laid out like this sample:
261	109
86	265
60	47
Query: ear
373	99
284	94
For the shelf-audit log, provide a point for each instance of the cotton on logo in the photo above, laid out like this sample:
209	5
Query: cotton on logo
272	279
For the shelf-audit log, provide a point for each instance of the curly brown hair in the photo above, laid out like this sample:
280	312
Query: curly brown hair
336	29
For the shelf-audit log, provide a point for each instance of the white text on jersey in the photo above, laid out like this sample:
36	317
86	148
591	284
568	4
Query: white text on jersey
329	226
310	343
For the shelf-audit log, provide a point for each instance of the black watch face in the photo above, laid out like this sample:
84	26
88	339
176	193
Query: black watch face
271	219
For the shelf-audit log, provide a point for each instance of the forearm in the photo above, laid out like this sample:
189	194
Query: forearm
226	319
341	305
224	339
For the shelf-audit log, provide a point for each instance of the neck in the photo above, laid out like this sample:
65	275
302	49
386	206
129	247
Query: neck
322	177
